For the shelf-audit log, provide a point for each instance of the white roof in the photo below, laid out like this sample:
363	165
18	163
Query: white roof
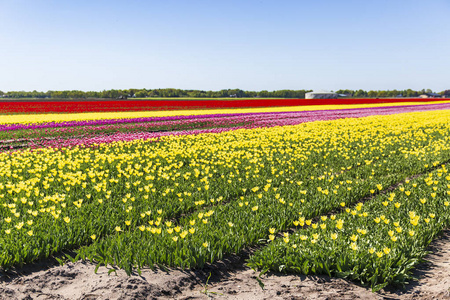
321	93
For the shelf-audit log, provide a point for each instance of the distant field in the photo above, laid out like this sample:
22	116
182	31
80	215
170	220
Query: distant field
351	191
107	105
195	99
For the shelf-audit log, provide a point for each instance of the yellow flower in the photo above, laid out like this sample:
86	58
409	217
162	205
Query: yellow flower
93	236
30	233
342	204
286	240
175	238
354	238
386	250
427	220
118	229
230	224
205	244
308	222
191	230
339	224
397	205
192	222
142	228
391	233
66	219
323	226
169	230
183	234
271	237
334	236
353	246
8	231
371	250
380	254
446	203
432	215
128	223
394	238
377	220
255	208
411	232
8	220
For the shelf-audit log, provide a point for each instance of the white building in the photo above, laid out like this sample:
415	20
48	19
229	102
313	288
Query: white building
321	95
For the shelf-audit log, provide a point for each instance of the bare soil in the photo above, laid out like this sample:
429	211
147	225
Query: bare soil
229	279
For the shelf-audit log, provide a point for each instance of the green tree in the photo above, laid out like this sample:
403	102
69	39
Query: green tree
372	94
141	94
382	94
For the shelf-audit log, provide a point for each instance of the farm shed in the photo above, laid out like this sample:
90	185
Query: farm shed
321	95
430	95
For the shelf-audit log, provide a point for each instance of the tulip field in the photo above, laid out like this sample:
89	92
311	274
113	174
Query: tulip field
354	190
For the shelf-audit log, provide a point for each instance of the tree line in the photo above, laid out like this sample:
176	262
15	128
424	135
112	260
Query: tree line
178	93
389	93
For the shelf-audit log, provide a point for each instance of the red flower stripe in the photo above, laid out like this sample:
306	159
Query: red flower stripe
76	106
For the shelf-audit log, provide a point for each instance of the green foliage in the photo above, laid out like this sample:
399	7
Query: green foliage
379	242
227	93
186	201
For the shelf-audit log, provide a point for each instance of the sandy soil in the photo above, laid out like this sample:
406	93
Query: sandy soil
229	279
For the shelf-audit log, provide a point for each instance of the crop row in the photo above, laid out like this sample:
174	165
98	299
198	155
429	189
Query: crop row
87	133
376	243
229	228
131	194
140	105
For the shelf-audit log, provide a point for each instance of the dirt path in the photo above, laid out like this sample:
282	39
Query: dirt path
229	280
434	275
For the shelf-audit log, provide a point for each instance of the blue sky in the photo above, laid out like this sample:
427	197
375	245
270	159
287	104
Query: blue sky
213	45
